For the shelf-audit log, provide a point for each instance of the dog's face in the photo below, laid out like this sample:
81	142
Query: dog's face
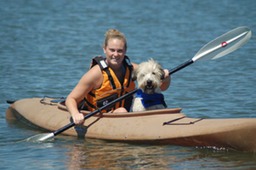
149	75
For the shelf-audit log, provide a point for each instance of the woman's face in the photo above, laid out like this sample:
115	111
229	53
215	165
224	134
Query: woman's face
115	52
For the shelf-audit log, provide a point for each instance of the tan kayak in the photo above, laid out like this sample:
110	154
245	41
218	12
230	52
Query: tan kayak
167	126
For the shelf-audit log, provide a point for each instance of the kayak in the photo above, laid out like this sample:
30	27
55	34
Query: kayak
164	126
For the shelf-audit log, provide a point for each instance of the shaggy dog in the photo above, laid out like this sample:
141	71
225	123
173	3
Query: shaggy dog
148	97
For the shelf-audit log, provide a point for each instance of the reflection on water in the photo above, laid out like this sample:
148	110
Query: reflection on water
96	154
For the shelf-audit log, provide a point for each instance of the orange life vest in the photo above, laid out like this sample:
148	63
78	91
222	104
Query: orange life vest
111	87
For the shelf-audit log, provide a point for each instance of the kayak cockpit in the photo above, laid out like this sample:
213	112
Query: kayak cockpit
60	102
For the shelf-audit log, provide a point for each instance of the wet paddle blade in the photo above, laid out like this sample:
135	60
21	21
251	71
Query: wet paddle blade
224	44
219	47
41	137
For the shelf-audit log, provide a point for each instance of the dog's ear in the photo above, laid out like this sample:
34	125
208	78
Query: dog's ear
162	74
134	75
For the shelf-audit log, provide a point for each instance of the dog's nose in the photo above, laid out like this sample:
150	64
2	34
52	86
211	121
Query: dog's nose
149	82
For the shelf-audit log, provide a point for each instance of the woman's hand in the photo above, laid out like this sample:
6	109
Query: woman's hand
78	118
166	81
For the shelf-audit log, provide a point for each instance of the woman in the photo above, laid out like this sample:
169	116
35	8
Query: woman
107	79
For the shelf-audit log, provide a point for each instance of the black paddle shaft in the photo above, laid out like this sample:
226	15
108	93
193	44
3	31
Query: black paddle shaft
187	63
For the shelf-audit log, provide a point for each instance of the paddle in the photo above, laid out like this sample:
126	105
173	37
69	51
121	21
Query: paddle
220	46
215	49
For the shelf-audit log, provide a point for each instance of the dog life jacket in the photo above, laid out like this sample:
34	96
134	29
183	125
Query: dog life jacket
111	88
150	99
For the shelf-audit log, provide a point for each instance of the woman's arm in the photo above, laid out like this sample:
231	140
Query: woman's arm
90	80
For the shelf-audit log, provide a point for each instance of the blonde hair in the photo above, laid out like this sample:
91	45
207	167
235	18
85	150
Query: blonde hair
114	33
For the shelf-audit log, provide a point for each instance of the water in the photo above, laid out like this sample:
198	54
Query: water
46	46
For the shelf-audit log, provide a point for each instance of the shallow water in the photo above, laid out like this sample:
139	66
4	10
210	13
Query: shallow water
46	46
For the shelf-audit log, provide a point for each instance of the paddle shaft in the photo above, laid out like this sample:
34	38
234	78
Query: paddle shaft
185	64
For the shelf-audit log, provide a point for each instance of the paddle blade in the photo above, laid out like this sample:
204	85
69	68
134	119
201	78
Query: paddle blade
41	137
224	44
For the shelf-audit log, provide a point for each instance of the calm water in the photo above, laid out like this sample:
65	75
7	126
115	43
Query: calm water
46	46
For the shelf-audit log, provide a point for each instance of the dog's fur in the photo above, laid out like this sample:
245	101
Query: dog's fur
149	75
